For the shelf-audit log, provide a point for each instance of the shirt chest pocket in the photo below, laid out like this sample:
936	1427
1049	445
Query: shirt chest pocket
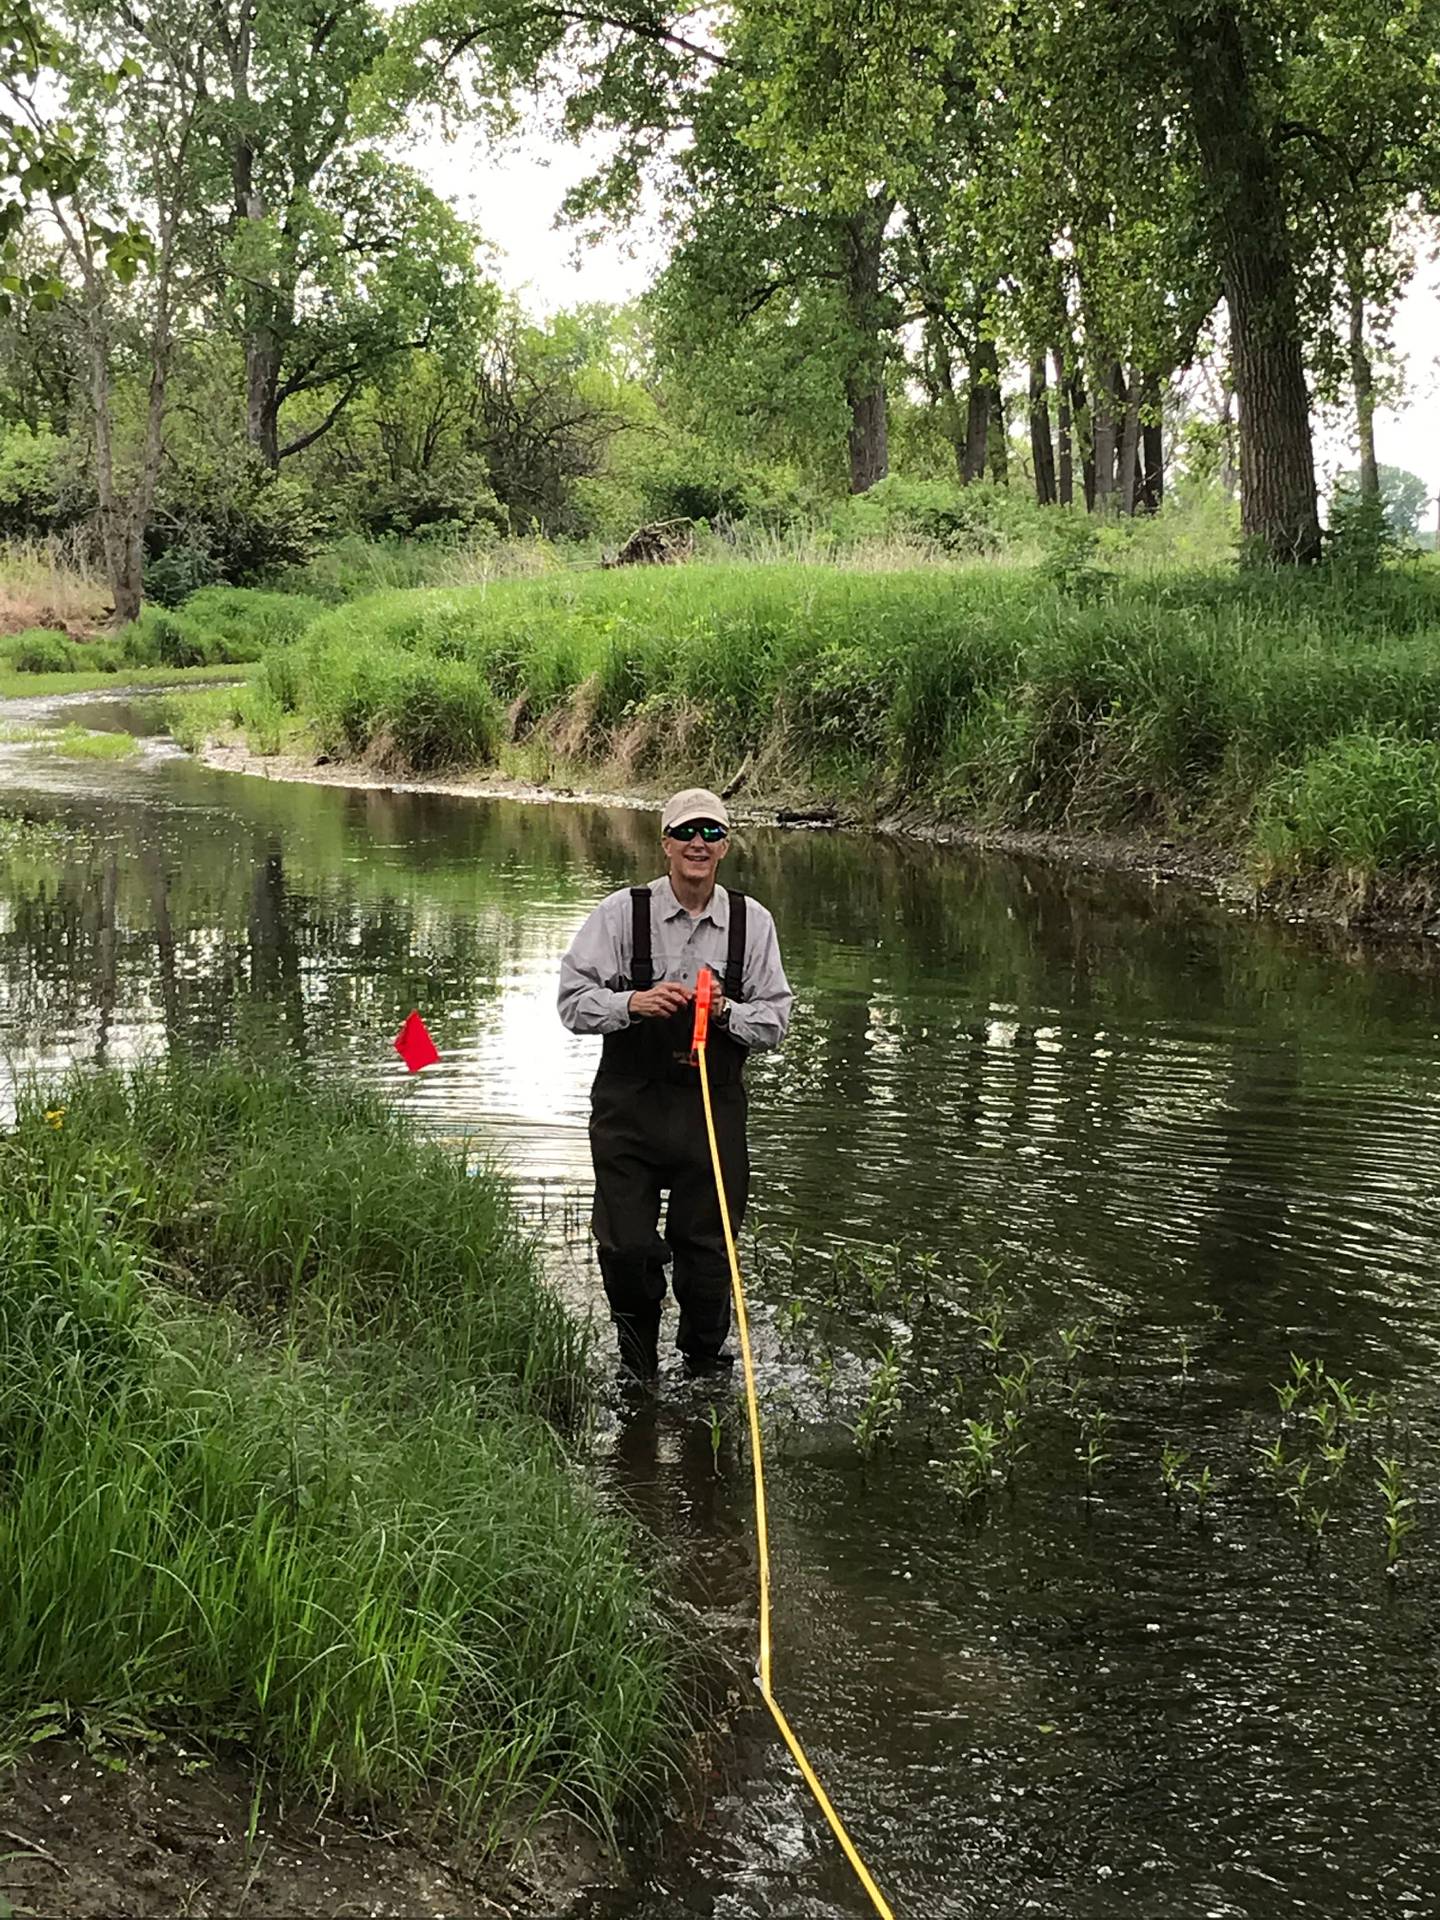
679	955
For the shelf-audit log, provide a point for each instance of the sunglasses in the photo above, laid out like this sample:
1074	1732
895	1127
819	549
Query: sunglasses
708	834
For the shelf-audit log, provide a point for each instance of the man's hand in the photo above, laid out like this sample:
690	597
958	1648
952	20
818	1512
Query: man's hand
658	1003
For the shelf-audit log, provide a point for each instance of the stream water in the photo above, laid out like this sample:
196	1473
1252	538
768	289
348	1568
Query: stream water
1196	1143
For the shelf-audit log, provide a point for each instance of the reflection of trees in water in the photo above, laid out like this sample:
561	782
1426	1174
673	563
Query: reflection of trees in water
194	937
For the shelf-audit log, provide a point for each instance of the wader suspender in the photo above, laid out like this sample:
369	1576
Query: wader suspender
642	958
642	962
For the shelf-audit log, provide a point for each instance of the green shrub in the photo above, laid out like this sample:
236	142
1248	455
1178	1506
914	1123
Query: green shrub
217	626
41	651
160	638
233	521
1359	538
172	576
972	522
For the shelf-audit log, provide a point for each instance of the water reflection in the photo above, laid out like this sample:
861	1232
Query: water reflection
1154	1111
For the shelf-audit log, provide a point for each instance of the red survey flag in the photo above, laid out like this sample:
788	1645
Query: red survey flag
414	1045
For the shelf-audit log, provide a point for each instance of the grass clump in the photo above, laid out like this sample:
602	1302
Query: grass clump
1365	809
80	743
281	1405
73	742
420	713
40	650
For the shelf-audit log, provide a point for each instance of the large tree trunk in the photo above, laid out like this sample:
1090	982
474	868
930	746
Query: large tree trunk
1042	447
1277	459
1362	378
977	419
985	441
868	436
1066	479
1151	492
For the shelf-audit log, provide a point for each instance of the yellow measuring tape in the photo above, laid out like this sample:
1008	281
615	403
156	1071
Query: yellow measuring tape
761	1528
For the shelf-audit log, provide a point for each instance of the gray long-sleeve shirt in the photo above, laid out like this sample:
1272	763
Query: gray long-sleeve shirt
595	999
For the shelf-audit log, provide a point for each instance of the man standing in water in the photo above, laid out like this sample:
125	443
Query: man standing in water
630	975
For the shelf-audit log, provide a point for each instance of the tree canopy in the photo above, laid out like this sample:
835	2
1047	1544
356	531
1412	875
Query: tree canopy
1022	245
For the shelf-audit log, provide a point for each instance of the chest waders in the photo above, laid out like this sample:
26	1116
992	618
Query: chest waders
647	1134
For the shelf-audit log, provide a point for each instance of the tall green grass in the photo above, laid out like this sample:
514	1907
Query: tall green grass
281	1405
1044	697
1367	805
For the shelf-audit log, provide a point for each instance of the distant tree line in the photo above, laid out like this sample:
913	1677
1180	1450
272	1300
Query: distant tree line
881	212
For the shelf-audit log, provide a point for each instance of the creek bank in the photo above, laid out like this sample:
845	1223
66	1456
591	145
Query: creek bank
125	1836
294	1484
1168	860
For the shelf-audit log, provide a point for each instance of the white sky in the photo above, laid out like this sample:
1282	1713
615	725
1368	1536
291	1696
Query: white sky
514	196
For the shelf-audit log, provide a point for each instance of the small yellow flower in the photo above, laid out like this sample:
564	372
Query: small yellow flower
55	1116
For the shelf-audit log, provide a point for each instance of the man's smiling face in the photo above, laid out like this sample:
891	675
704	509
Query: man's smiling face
694	861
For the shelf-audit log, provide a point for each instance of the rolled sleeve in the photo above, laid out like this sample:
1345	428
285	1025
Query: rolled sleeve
590	1001
759	1021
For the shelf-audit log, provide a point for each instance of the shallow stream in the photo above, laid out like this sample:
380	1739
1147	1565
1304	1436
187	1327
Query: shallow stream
1013	1103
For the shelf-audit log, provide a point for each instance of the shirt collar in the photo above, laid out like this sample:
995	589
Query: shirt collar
717	912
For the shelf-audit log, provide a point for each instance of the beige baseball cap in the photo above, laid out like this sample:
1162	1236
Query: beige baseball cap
693	803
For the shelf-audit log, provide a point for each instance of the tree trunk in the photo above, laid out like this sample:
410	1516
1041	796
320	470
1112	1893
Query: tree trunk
1362	377
1067	457
977	422
1083	427
997	443
1128	474
1152	449
941	382
1104	440
262	392
1277	460
868	436
1042	447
